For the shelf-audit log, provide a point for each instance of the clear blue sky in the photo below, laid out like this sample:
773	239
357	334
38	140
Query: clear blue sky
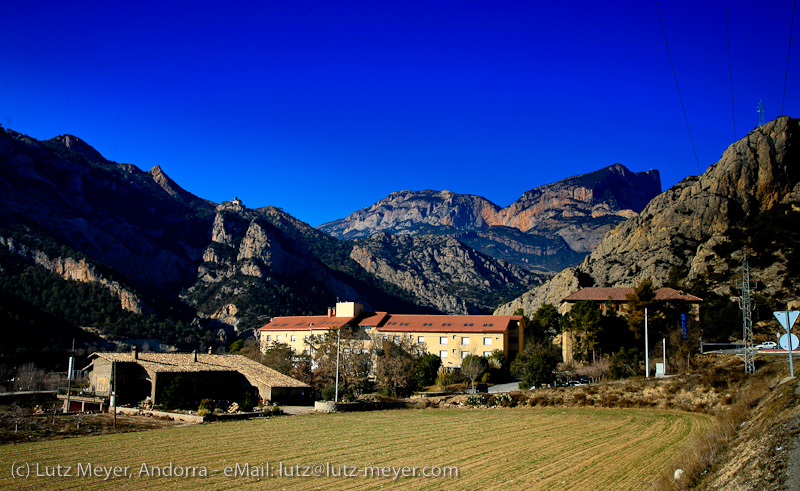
324	107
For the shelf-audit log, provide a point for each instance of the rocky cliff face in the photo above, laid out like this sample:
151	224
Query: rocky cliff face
78	270
441	272
689	225
141	224
577	211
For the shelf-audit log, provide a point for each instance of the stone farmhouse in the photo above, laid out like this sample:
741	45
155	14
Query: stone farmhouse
139	376
451	337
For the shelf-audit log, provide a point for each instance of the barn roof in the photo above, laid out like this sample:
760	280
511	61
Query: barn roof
256	373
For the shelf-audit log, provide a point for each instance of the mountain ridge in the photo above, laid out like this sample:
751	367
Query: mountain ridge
748	201
571	216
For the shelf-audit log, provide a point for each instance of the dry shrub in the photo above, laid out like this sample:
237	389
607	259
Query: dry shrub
536	401
702	453
579	398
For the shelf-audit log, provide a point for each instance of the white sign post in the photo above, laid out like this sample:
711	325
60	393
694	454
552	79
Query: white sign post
787	318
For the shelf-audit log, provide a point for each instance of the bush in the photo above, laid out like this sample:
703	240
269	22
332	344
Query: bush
624	363
426	368
206	407
536	366
328	392
476	400
444	378
502	400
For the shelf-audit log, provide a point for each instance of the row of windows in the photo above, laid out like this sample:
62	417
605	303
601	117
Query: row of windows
443	354
464	340
420	339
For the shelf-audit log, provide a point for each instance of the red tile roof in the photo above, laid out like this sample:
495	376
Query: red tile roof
619	294
313	322
373	319
448	323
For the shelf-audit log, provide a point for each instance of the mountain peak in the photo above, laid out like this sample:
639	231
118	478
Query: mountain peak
78	146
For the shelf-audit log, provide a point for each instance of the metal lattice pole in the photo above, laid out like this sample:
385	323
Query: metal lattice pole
745	303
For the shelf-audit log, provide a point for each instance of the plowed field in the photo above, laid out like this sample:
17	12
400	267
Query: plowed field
504	449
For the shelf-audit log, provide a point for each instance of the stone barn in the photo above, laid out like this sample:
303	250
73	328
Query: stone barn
197	376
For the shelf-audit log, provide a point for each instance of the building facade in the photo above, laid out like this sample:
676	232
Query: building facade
616	298
451	337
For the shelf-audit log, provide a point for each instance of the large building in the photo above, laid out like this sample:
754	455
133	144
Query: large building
617	298
140	376
451	337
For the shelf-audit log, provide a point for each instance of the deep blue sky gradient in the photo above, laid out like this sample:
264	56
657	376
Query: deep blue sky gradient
323	107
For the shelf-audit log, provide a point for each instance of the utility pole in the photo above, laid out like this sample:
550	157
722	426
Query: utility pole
338	340
745	303
114	390
761	108
69	374
646	349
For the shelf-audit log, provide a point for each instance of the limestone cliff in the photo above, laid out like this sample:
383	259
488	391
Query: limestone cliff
441	272
735	204
77	270
577	211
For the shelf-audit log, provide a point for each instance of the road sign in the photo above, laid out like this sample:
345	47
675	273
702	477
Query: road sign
784	342
786	318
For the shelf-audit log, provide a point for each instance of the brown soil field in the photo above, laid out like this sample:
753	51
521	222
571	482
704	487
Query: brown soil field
503	448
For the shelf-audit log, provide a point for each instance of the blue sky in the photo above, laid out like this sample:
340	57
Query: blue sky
323	108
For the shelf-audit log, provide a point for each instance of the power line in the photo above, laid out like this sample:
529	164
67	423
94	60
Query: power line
786	80
730	68
678	87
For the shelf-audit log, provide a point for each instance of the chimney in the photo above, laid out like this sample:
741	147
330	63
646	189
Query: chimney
330	312
135	353
194	356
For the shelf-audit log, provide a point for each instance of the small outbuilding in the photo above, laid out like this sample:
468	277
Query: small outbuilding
137	376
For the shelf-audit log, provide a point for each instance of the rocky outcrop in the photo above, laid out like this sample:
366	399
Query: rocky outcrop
77	270
683	226
113	213
579	210
441	272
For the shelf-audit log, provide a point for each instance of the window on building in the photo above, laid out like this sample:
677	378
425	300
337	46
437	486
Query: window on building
464	340
464	354
487	354
269	338
278	338
305	337
294	338
443	353
420	339
487	341
442	340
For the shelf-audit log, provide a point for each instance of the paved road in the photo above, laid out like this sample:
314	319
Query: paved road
504	387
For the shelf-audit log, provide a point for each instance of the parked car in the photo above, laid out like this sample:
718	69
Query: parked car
767	345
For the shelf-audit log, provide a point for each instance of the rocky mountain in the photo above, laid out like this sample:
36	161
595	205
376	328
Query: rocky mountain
440	271
548	228
190	270
748	201
138	223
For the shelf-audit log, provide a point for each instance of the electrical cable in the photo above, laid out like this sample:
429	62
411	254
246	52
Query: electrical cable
730	68
786	79
678	86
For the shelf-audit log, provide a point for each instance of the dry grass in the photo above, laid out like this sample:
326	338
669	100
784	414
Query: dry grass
520	448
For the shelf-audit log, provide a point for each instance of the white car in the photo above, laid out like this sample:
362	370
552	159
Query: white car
767	345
